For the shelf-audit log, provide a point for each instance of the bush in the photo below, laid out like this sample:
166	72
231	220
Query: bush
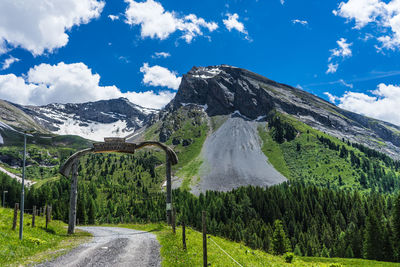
335	265
289	257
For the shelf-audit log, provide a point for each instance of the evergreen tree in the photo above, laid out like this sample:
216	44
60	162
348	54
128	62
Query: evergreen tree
280	243
373	238
396	227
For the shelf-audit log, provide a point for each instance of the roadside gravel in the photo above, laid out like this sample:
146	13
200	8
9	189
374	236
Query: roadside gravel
113	246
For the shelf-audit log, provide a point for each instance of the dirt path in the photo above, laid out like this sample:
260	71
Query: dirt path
113	246
27	183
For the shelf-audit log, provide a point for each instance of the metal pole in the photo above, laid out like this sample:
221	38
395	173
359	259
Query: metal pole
73	198
169	194
204	239
4	198
21	219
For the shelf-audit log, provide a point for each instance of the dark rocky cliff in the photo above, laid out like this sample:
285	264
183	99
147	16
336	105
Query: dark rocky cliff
224	89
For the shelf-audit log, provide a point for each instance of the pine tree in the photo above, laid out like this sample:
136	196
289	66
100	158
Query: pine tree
396	227
325	252
297	250
280	243
373	238
92	211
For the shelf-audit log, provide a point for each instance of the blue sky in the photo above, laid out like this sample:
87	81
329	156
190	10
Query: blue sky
73	51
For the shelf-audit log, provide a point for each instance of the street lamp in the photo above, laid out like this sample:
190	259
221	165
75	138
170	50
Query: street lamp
21	219
4	197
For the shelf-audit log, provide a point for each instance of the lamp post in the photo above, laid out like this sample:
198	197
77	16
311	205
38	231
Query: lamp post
21	218
4	197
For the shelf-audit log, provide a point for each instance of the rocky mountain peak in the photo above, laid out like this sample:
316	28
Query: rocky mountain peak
225	90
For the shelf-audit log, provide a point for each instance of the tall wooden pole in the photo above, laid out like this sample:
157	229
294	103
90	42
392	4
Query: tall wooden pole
33	216
169	195
204	239
16	207
173	220
21	218
73	198
183	235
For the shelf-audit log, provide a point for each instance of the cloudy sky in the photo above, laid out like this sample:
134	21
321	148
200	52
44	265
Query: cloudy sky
347	52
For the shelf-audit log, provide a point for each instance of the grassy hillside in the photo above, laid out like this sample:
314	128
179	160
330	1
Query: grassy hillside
317	158
44	156
172	252
185	130
38	243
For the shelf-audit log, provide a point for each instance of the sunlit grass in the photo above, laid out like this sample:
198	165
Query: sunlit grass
38	243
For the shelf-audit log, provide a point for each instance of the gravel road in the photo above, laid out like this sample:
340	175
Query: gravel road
233	158
113	246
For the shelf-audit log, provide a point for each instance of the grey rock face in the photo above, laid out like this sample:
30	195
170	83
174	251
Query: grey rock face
225	89
233	158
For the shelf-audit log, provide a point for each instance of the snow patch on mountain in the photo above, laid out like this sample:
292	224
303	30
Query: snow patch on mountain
94	130
206	73
92	120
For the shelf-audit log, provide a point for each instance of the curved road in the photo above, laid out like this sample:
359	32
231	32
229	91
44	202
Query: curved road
113	246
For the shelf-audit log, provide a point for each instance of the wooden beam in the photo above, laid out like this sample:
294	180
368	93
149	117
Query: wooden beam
73	197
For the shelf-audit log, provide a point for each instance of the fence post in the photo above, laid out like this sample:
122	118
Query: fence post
33	216
183	235
173	219
50	210
16	207
47	215
204	239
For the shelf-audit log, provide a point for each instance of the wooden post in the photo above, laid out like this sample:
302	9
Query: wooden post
33	216
204	239
47	215
183	235
169	195
16	207
173	220
50	210
73	198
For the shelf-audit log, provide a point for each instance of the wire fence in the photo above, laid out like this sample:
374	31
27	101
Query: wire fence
225	252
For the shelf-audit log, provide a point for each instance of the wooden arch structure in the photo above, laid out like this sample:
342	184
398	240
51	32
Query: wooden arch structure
110	145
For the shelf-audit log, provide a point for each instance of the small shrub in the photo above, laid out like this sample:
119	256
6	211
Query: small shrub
335	265
34	240
289	257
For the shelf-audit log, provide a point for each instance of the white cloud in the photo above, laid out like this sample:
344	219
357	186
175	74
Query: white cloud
69	83
150	99
113	17
160	76
383	103
332	68
343	50
349	85
282	2
302	22
40	26
124	59
161	55
8	62
384	14
331	97
232	23
157	23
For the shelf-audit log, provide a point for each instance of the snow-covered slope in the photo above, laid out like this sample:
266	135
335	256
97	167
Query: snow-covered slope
92	120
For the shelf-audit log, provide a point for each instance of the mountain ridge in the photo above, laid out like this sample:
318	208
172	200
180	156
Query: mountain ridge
224	89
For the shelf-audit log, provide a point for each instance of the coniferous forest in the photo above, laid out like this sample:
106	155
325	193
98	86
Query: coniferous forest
308	215
305	219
